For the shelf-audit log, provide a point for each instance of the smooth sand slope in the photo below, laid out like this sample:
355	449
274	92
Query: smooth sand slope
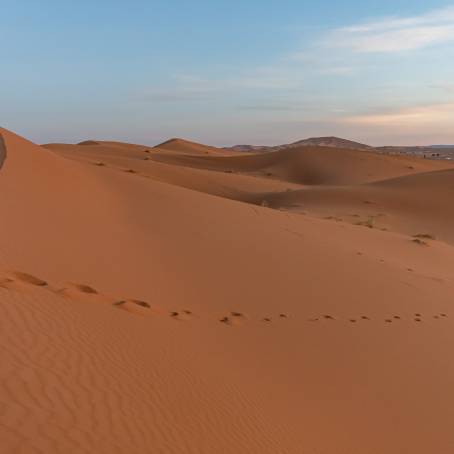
142	316
182	146
413	204
312	165
144	162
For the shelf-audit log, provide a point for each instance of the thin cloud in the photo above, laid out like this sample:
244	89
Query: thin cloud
186	87
274	107
440	114
393	34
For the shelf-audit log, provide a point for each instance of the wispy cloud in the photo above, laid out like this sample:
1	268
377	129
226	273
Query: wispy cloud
396	34
188	87
265	77
319	79
439	114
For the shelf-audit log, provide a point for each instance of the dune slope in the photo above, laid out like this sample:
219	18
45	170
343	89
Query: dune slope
312	165
413	204
142	316
192	148
233	185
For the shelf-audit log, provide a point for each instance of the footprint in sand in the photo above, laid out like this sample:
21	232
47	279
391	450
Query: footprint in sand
5	282
134	306
237	314
28	279
233	319
85	289
81	292
140	303
181	315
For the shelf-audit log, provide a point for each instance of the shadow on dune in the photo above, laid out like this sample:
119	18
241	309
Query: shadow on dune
2	151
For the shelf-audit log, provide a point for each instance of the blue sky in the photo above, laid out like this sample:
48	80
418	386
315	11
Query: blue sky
226	72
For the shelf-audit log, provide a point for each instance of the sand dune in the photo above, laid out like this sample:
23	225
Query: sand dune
412	204
141	315
230	184
312	165
192	148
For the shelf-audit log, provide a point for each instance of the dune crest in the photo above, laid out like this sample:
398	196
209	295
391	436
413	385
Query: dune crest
186	146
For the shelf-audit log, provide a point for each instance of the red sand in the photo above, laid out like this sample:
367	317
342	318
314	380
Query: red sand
153	305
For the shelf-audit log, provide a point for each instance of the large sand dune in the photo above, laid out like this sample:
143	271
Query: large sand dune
413	204
312	165
144	310
182	146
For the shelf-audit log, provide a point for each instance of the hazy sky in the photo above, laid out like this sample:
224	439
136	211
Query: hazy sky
226	71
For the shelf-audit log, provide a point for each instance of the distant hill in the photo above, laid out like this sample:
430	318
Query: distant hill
185	146
427	151
333	142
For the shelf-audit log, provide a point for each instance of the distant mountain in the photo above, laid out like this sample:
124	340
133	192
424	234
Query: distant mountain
333	142
427	151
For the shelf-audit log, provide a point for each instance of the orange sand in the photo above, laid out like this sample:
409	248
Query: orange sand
150	303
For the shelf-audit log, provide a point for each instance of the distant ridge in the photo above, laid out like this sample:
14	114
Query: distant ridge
183	146
426	151
331	141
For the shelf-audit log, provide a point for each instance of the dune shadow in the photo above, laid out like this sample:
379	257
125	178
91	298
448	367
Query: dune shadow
2	151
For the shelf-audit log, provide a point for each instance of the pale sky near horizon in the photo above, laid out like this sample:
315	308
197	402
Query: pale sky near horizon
227	72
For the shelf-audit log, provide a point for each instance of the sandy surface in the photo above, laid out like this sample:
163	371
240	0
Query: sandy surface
174	301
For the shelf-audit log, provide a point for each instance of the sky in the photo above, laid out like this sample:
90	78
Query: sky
227	72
